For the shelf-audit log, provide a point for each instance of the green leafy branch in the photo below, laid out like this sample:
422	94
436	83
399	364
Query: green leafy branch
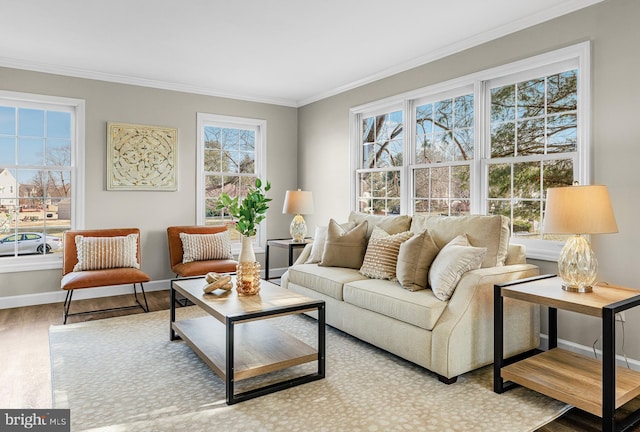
251	211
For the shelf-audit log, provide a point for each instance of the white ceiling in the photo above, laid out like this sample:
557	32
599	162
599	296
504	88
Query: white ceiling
288	52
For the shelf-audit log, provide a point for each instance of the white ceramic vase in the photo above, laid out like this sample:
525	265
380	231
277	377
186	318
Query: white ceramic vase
246	250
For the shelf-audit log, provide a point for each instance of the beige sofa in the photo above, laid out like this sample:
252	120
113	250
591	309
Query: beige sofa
449	337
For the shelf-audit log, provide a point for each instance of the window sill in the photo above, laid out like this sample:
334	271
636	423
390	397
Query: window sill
35	263
542	250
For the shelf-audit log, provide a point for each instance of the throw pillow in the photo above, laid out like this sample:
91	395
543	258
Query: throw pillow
202	247
392	224
455	259
319	240
99	253
414	259
344	248
381	256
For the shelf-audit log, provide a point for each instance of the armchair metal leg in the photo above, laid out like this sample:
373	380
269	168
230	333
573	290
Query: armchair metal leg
145	307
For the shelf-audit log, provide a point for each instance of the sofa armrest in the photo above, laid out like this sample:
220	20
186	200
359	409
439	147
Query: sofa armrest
304	255
463	336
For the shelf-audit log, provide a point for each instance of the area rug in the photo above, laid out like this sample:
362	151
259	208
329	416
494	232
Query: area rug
123	374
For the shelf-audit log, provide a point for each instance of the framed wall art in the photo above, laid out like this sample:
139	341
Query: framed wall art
141	157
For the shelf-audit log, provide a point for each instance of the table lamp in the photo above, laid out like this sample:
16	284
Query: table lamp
298	203
578	210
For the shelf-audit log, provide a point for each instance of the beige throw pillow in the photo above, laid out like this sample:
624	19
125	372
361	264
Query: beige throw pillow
455	259
344	248
414	259
319	240
202	247
99	253
382	254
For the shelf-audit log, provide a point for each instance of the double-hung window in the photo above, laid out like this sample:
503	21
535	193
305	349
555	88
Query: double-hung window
231	155
381	150
489	143
40	178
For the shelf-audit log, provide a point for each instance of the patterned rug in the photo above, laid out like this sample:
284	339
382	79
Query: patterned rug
123	374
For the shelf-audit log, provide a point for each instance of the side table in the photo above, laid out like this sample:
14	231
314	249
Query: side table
283	243
598	387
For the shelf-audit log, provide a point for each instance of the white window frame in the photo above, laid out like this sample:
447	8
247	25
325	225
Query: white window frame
572	57
260	126
77	108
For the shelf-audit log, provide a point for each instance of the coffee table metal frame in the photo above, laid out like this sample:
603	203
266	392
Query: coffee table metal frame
227	370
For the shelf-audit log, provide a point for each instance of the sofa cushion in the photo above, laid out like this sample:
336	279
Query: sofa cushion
455	259
414	259
382	254
420	308
319	239
491	232
325	280
344	248
391	224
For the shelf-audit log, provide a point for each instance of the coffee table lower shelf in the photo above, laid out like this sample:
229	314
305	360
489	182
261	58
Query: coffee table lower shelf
571	378
259	348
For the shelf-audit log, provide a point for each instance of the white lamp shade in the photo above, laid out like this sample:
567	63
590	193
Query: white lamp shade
579	210
298	202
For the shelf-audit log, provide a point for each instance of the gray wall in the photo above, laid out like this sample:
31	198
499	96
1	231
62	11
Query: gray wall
612	28
152	212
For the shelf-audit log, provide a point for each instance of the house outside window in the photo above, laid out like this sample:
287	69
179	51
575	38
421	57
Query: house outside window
231	155
40	150
489	143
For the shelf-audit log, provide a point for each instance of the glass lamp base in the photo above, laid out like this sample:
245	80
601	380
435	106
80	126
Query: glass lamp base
298	229
577	265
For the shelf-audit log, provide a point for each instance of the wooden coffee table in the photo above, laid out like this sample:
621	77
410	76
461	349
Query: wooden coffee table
236	339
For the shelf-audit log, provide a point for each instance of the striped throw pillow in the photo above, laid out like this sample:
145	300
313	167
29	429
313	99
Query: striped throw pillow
201	247
98	253
382	254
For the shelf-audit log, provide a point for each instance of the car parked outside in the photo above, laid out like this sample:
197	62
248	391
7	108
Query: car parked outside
29	243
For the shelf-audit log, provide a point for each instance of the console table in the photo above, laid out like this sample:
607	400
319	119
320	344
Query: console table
598	387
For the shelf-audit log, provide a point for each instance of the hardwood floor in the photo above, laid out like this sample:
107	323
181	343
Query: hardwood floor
26	372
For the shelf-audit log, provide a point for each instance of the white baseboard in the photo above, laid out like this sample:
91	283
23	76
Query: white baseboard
80	294
588	352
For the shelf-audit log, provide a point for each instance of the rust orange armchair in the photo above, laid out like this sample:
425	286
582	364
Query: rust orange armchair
197	267
102	257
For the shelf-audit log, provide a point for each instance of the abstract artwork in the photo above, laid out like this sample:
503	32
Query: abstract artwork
141	157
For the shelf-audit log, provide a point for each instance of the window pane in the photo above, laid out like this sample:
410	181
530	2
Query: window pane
464	111
7	151
58	124
463	144
500	181
557	173
424	150
421	182
424	119
526	218
503	140
30	122
503	101
530	95
439	183
562	92
58	152
526	180
562	133
213	161
31	151
531	136
7	120
247	162
461	181
382	144
212	137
